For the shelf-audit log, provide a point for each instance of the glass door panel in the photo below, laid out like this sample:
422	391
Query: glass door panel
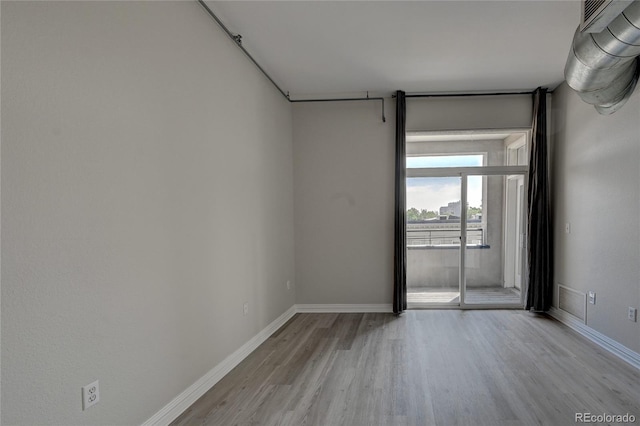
494	235
433	240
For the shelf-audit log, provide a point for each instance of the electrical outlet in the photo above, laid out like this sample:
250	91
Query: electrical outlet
245	308
592	297
288	285
632	314
90	395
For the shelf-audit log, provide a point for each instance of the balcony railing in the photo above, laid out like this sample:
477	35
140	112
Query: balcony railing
419	238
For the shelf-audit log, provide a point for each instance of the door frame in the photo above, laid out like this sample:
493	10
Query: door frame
515	220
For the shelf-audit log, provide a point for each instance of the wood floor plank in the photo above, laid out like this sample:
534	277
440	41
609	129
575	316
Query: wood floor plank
439	367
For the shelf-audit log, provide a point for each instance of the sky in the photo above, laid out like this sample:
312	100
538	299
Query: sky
435	192
444	161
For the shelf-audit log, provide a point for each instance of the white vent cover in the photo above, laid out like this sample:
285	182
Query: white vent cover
597	14
573	302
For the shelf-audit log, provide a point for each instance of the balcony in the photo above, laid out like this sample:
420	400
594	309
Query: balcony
474	296
433	272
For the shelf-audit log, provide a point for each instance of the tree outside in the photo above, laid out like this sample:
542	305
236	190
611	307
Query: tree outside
415	215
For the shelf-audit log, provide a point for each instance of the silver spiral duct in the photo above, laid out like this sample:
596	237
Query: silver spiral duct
603	67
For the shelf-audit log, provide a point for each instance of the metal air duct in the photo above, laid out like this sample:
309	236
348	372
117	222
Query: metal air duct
603	67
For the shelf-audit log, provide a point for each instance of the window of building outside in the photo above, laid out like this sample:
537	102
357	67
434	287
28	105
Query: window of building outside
433	204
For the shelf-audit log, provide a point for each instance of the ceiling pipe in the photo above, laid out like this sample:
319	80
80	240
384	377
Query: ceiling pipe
603	67
237	38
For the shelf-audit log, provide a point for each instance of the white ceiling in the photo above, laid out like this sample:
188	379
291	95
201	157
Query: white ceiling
345	47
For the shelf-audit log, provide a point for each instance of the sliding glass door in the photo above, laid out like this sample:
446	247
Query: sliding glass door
493	252
465	221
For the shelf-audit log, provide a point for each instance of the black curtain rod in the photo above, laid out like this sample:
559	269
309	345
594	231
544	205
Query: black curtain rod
237	38
465	95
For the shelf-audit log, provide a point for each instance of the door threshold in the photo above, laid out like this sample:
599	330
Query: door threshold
423	306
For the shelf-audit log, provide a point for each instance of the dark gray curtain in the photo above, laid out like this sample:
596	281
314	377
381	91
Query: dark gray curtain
540	239
400	246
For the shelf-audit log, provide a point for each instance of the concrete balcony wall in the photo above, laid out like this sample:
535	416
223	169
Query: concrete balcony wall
438	268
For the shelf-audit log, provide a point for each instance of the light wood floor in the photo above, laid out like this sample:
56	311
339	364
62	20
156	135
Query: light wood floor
438	367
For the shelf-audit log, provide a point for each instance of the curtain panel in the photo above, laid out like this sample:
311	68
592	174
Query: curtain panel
400	245
540	236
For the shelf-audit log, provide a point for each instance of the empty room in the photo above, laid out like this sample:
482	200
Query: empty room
320	213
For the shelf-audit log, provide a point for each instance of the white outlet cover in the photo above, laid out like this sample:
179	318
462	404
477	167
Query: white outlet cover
633	314
90	395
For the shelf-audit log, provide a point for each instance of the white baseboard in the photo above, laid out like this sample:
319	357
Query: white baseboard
344	308
621	351
180	403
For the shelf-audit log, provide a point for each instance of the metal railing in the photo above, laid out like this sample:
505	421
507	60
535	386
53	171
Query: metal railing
443	237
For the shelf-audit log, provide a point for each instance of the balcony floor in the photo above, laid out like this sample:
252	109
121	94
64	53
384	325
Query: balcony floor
451	296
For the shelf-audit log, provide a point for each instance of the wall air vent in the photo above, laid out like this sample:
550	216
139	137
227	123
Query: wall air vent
597	14
572	302
590	8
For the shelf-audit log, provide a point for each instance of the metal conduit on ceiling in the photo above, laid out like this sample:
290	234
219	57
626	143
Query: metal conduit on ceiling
237	38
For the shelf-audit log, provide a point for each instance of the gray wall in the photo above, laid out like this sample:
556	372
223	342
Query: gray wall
484	112
596	188
343	178
146	194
